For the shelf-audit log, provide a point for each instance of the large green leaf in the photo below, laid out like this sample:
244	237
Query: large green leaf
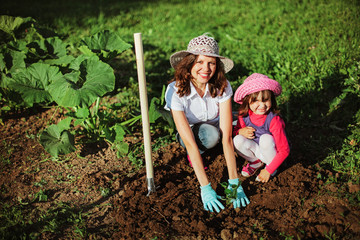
154	113
114	133
61	61
86	51
49	48
57	142
51	51
9	24
33	81
81	88
12	61
17	61
76	63
19	45
64	124
106	40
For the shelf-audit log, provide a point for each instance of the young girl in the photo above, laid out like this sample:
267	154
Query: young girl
260	132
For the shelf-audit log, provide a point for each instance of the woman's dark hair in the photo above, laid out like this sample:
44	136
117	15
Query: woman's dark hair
217	83
266	94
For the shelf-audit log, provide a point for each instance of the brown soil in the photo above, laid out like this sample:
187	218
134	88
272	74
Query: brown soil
295	203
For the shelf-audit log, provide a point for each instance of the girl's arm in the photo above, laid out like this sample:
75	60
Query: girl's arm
277	129
186	134
227	142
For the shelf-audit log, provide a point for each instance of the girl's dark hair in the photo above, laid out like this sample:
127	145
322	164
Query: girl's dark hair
217	83
266	94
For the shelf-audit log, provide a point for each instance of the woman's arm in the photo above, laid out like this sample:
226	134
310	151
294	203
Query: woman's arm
187	136
226	129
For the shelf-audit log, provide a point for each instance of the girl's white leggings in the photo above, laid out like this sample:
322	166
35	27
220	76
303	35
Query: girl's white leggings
251	151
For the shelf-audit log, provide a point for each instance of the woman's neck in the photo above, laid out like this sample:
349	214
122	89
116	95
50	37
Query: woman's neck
200	88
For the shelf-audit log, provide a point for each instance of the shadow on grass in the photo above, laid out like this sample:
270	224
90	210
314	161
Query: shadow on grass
48	11
312	128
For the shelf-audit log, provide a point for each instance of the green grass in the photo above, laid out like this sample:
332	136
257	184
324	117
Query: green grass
17	225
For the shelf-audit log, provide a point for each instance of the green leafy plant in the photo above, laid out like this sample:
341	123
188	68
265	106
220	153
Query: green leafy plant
11	26
105	192
42	72
346	160
89	79
105	44
57	139
40	196
230	193
99	124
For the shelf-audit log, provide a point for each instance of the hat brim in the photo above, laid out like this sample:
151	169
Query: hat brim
250	87
178	56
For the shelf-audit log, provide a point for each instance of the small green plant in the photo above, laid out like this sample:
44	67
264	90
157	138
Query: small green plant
285	236
40	196
230	192
135	155
330	235
41	183
105	192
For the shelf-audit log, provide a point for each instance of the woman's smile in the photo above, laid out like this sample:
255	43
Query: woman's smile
203	69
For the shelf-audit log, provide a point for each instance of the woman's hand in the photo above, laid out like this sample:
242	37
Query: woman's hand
248	132
241	198
210	199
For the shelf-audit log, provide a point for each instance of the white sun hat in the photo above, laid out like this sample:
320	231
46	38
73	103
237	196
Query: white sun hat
202	45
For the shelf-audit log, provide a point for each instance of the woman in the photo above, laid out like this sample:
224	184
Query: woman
199	98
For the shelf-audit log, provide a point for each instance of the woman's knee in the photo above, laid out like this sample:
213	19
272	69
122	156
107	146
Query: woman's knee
208	135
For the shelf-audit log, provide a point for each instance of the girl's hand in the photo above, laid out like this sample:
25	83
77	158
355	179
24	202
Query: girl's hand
248	132
264	176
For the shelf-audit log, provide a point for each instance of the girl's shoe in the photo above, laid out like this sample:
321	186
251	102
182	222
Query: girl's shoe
251	168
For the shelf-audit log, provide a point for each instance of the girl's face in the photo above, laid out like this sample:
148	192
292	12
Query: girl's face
261	105
203	69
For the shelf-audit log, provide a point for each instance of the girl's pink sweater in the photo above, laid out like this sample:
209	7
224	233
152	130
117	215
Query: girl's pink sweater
277	129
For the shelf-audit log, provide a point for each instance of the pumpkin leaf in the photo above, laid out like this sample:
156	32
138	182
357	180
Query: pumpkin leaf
57	142
10	24
81	87
106	40
32	82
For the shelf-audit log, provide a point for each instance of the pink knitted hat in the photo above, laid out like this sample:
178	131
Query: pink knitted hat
254	83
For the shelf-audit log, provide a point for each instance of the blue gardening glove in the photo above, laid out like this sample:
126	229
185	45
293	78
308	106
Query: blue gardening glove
210	199
241	199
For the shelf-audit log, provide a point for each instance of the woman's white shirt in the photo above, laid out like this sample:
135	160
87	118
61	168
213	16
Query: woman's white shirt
197	109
